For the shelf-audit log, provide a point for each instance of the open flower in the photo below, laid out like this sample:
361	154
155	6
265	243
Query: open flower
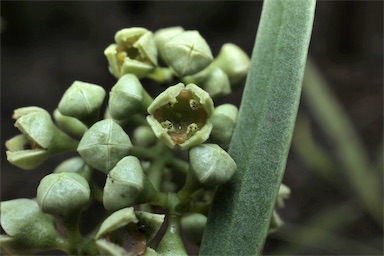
180	116
128	232
134	52
39	140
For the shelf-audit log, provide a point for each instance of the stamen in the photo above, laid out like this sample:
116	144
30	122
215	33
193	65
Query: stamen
194	104
192	128
168	125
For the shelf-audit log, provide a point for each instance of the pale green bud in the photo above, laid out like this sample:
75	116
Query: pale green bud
224	121
211	164
26	226
127	98
284	193
36	125
135	52
126	232
276	223
75	165
126	185
82	101
69	125
162	36
180	116
213	80
193	226
40	139
144	136
187	53
234	62
104	145
62	194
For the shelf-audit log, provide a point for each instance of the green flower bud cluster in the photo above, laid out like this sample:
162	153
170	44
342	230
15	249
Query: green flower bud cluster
140	172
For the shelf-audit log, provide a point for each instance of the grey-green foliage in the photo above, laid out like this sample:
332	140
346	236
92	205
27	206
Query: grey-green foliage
239	219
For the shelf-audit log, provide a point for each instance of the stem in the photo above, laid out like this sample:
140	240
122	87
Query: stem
96	191
156	170
178	164
71	226
171	243
63	143
190	186
147	99
91	119
200	207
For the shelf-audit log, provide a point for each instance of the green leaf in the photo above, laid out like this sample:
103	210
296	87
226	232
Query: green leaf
240	215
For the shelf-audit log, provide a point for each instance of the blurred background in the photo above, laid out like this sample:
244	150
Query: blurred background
45	46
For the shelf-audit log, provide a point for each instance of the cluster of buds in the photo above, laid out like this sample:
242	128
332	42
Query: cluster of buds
139	172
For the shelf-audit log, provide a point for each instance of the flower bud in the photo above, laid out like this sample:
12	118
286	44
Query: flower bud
126	184
75	165
162	36
224	121
187	53
40	139
193	226
213	80
276	223
234	62
26	226
126	97
69	125
135	52
180	116
211	164
36	125
284	193
144	136
104	144
82	101
62	194
126	232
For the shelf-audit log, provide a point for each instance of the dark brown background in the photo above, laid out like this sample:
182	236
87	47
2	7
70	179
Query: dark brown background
45	46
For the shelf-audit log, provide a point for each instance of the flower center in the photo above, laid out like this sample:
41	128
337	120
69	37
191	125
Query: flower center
127	49
183	118
130	238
